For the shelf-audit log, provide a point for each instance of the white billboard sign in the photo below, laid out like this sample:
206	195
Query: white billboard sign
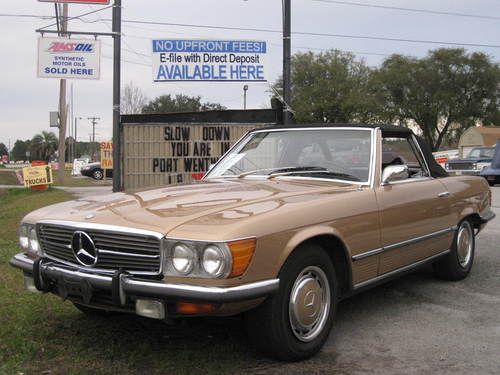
209	60
69	58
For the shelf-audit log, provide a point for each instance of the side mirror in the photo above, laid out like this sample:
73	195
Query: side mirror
393	173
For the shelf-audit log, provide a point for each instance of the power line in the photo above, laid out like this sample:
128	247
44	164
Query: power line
14	15
415	10
305	33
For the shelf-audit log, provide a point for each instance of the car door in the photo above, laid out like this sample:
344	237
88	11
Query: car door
414	212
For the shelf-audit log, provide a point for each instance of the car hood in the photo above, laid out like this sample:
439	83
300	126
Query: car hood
164	209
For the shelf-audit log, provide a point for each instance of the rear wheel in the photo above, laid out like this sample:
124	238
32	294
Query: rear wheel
294	323
458	263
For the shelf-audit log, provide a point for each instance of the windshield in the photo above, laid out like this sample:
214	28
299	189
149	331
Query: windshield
339	154
478	153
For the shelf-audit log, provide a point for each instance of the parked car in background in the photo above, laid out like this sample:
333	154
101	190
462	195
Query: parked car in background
95	171
492	173
478	159
443	156
290	221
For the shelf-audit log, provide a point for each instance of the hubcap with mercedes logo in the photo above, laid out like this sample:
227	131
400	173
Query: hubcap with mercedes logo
84	249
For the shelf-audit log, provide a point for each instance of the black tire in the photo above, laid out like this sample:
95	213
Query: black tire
97	174
91	311
491	183
269	326
455	266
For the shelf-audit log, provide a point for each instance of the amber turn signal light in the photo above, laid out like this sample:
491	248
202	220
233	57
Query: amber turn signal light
242	252
188	308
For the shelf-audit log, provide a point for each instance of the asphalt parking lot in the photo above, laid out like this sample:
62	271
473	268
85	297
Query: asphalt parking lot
418	324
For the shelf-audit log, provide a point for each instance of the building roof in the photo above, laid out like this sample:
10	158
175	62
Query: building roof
489	135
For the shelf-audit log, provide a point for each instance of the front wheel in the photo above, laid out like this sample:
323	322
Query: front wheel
458	263
97	175
294	323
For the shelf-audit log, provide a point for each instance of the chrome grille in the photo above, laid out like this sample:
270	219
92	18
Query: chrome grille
459	166
132	252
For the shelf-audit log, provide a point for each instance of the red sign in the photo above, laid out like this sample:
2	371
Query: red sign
101	2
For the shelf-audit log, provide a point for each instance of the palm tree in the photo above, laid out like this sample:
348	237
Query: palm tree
44	145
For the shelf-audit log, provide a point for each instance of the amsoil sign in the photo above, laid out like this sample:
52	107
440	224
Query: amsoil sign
101	2
69	58
209	60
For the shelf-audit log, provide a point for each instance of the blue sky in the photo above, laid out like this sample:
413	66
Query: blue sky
26	100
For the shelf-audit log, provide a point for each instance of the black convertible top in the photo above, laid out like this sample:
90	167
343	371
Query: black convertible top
387	131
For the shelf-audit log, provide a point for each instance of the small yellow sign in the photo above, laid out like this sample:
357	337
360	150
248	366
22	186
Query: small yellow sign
34	176
107	155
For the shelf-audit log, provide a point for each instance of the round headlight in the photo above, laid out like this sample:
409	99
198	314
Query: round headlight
214	260
183	259
33	240
23	237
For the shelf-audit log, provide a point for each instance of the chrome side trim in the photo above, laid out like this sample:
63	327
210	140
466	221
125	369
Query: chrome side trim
368	254
402	244
129	285
399	270
105	227
421	238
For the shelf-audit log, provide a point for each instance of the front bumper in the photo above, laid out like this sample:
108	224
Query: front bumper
121	287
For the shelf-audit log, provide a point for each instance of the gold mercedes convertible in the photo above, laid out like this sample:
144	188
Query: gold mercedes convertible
287	223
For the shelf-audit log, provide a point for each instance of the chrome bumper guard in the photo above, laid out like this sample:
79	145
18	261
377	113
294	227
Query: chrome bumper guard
121	285
487	216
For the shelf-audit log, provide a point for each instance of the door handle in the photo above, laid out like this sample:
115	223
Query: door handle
445	194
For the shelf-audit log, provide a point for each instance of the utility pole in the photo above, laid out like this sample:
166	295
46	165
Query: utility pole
76	135
287	53
117	159
93	120
62	108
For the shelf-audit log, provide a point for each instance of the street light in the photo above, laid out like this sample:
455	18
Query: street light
245	89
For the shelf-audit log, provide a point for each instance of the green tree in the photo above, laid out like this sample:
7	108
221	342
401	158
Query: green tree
43	145
443	94
179	103
20	148
331	87
3	149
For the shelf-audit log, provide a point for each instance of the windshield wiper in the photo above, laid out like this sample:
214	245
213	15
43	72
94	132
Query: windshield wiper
321	172
272	171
